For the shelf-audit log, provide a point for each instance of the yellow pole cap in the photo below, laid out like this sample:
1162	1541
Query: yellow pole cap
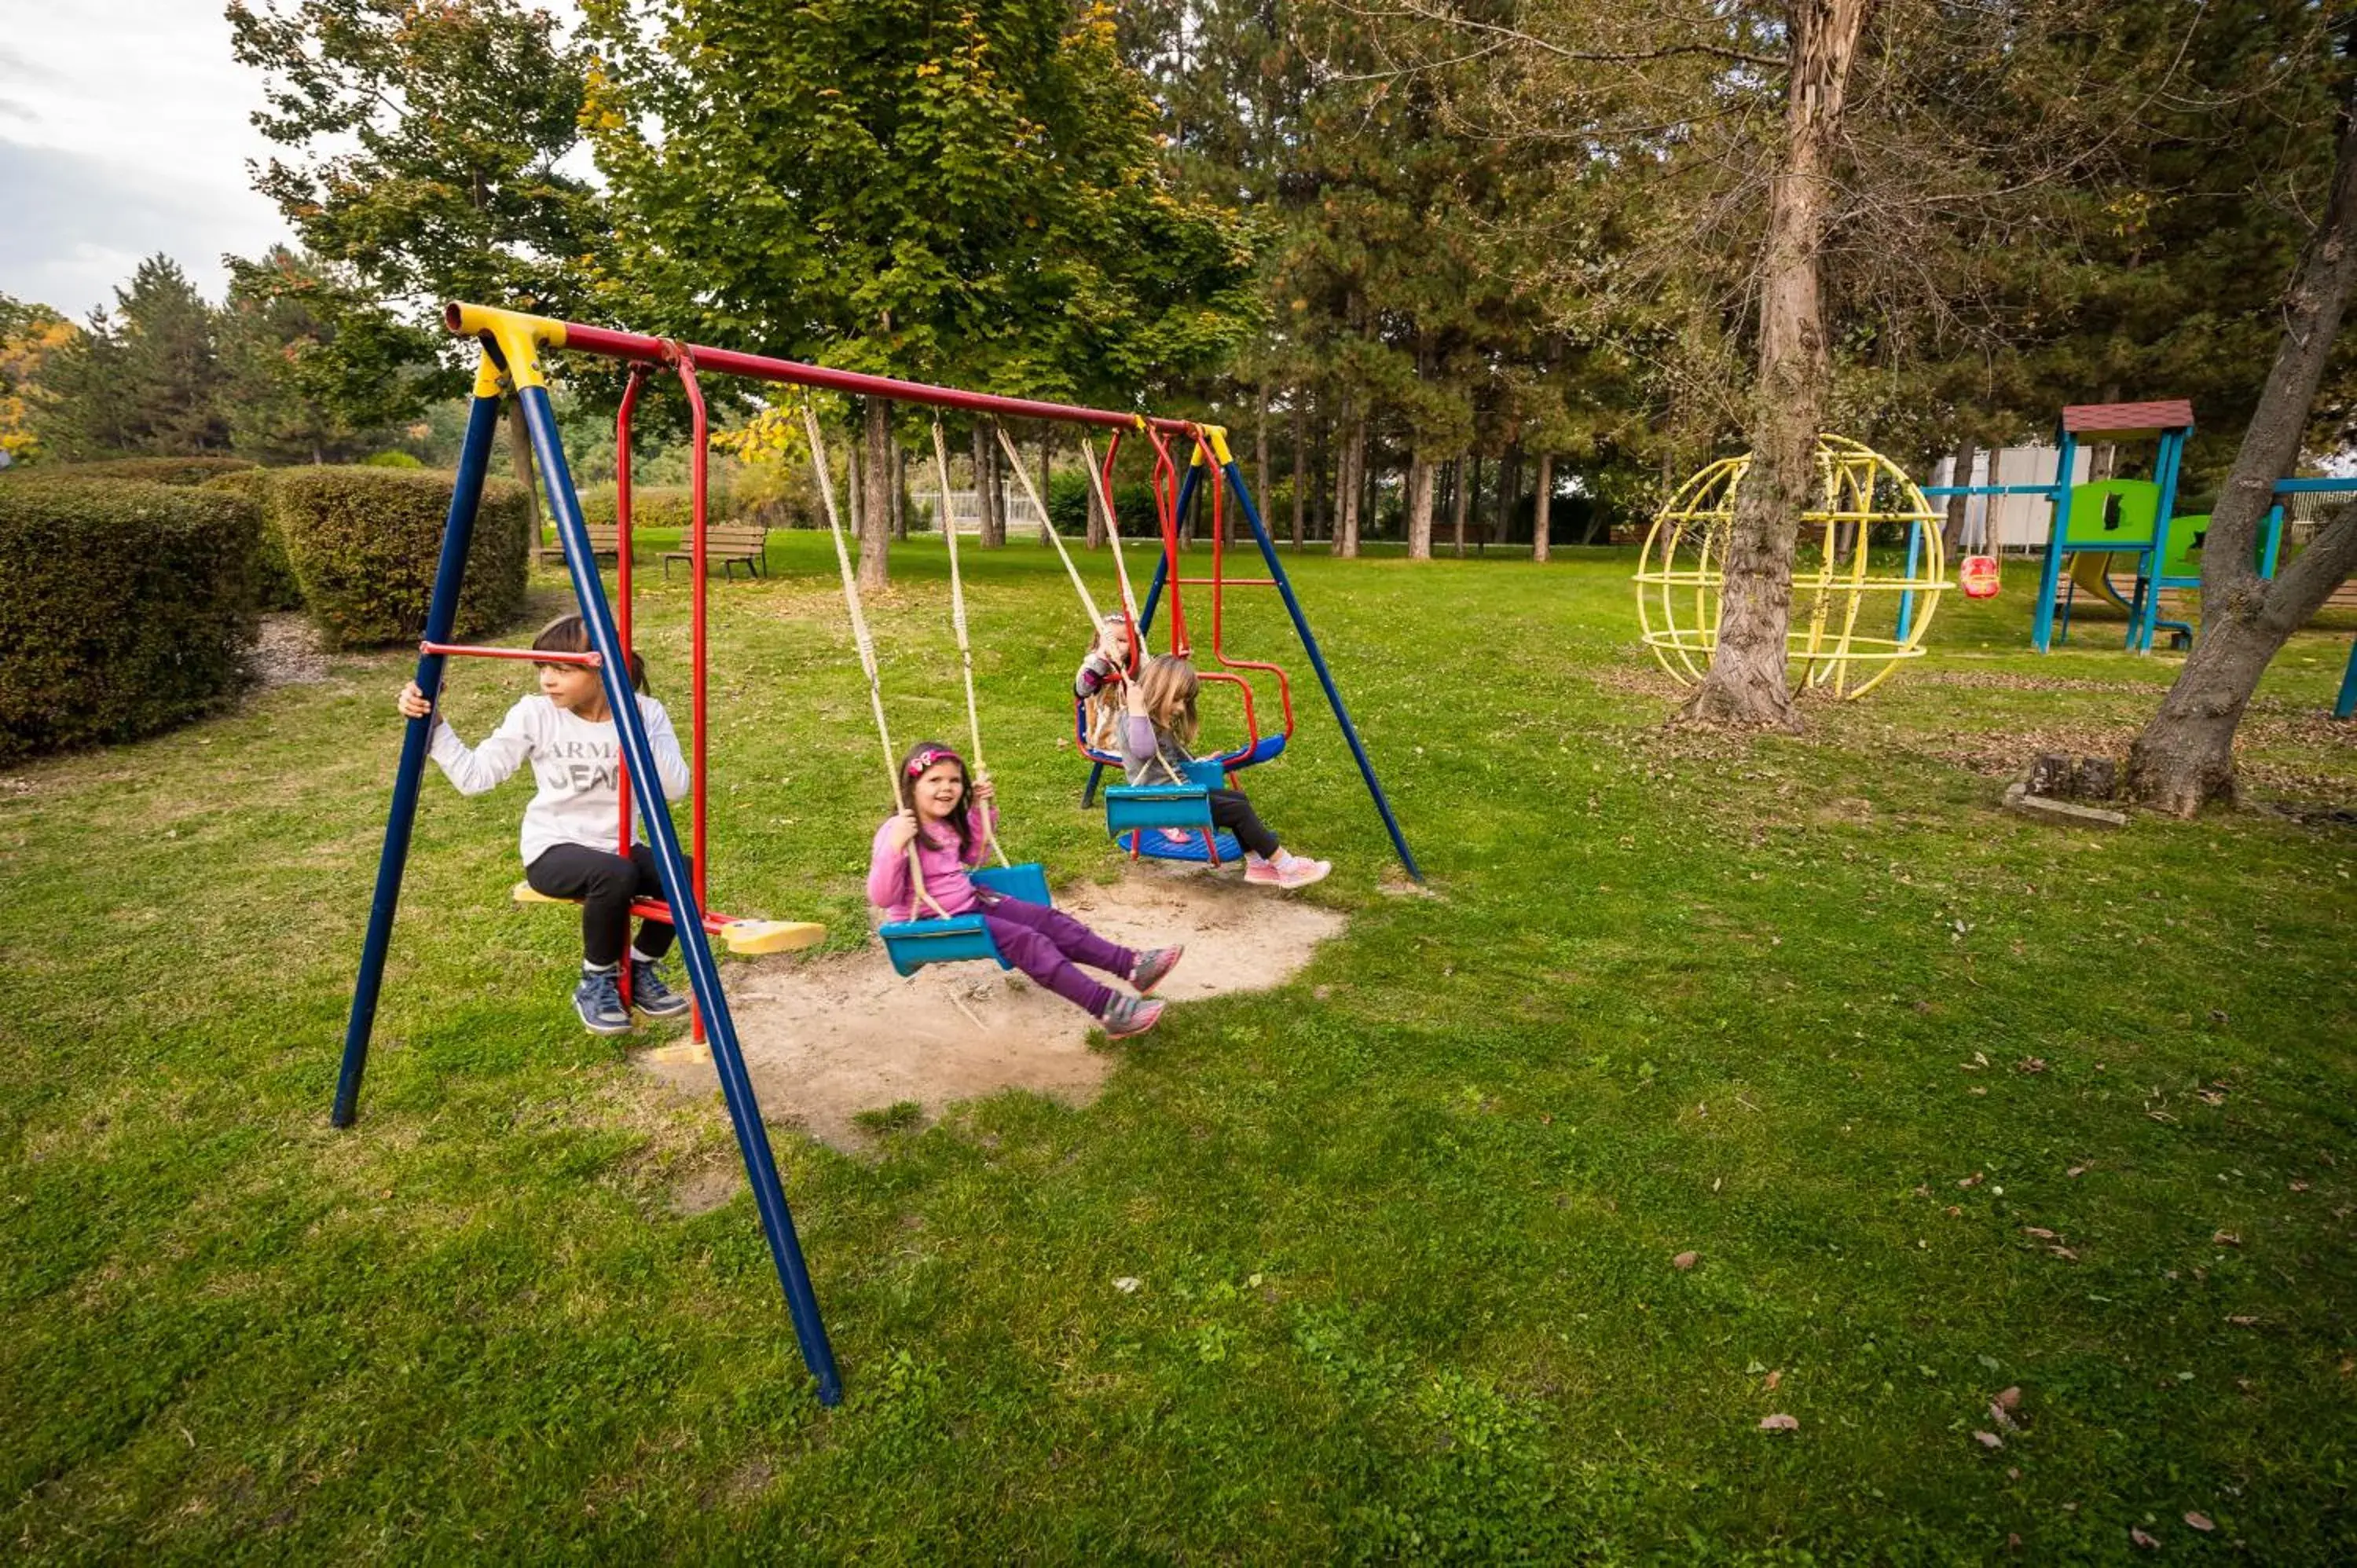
520	339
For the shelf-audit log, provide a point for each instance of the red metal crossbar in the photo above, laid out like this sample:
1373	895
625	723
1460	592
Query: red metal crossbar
534	655
633	346
1231	581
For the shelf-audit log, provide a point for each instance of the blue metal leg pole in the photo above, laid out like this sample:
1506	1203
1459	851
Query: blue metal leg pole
2346	703
2049	576
687	917
1906	599
441	611
1318	661
2272	547
2147	626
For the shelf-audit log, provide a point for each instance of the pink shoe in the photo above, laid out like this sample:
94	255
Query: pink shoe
1262	872
1127	1015
1298	872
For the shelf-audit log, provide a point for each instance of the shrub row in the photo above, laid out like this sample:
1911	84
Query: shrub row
125	607
363	544
274	587
652	506
148	470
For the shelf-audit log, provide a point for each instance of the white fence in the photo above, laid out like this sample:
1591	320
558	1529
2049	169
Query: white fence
1023	518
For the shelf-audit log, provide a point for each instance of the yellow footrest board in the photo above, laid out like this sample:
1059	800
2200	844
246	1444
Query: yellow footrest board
772	936
748	937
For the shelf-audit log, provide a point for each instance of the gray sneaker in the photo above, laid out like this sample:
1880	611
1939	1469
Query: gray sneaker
598	1000
1127	1015
1152	965
649	995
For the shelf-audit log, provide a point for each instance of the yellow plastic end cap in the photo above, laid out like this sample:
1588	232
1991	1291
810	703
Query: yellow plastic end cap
520	337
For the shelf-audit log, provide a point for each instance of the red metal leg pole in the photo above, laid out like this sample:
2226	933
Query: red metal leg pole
699	865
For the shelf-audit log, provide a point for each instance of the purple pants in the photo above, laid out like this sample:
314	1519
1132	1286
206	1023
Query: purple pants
1046	943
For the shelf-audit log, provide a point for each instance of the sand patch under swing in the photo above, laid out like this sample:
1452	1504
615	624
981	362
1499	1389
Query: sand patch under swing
827	1038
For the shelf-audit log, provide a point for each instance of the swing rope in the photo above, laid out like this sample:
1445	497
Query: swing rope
861	638
1014	461
957	620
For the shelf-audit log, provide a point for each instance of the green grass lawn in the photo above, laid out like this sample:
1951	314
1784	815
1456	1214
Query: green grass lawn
1944	1102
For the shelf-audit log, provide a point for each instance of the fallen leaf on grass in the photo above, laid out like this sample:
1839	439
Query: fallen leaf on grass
1686	1260
2064	1253
1774	1378
1780	1423
2031	1064
2076	1171
1128	1284
2200	1521
1988	1440
2299	1187
2227	1239
1972	1180
2010	1399
2211	1097
2242	1321
2040	1231
2141	1539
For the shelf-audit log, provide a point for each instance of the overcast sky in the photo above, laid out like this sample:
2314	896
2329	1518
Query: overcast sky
122	132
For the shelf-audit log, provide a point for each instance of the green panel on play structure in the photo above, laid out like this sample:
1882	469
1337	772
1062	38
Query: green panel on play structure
2186	537
2115	511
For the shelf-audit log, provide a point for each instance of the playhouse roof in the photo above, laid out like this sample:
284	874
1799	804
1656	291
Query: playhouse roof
2129	418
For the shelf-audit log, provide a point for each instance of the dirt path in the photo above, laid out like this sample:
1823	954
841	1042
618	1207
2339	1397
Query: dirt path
826	1039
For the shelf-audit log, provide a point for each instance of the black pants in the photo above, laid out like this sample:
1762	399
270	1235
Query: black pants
1230	809
606	883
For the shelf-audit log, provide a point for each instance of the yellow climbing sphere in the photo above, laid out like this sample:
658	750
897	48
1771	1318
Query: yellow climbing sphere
1866	579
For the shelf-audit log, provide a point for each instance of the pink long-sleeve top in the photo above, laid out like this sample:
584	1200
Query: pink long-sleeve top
948	873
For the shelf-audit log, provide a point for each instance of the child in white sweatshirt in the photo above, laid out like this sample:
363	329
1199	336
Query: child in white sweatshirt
566	732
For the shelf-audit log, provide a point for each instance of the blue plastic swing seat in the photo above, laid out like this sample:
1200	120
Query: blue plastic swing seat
1160	845
912	944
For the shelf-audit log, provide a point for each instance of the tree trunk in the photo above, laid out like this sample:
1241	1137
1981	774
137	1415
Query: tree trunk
1324	490
1419	507
1046	467
1260	448
899	491
875	503
519	458
1097	523
1510	491
2185	757
1540	506
1952	532
1301	471
1469	479
1747	683
994	515
1348	480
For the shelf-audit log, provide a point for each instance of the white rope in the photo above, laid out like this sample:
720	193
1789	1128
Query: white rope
957	622
861	638
1014	461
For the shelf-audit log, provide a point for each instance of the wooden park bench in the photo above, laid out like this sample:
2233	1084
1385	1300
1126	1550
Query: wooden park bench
605	539
1477	534
729	543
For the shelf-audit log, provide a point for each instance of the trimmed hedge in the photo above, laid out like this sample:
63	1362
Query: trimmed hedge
1068	506
652	506
147	470
125	608
363	544
274	587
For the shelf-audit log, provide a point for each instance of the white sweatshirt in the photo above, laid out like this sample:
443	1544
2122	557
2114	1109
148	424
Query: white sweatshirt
578	765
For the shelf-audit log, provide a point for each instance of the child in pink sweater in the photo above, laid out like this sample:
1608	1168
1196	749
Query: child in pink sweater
949	818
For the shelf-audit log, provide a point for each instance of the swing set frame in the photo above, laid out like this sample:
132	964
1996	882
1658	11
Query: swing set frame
511	365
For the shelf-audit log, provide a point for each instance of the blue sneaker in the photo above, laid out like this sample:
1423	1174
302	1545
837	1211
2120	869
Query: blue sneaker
598	1000
649	995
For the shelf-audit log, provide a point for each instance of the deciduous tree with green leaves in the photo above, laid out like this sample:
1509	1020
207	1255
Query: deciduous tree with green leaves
968	195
